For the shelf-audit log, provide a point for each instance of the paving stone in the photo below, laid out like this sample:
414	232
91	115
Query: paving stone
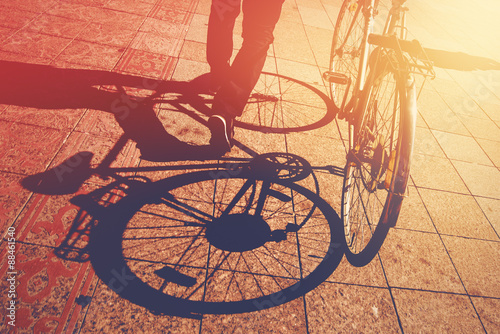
86	86
447	209
481	180
469	257
348	308
428	311
418	260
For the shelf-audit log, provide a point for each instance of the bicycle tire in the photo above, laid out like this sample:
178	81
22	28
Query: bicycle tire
120	245
280	104
347	48
373	190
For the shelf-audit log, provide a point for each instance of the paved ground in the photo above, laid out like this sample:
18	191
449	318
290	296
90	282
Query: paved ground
79	268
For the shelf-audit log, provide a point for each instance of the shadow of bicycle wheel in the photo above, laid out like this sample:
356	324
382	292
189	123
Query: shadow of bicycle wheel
168	245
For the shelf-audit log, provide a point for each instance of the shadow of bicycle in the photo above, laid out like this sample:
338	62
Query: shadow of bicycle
234	236
214	241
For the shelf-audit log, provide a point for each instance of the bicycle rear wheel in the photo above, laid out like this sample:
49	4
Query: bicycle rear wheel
347	47
217	242
377	168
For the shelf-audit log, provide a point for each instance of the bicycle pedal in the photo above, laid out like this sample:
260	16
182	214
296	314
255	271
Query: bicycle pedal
335	77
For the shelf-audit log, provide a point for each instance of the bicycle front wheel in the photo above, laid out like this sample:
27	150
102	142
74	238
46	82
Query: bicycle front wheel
280	104
377	168
347	47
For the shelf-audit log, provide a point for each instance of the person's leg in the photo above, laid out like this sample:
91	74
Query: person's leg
223	14
259	20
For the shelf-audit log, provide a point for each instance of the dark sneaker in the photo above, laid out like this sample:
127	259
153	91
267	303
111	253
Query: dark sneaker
221	133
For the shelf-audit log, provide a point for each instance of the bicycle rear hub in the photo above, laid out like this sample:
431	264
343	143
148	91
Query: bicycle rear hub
238	232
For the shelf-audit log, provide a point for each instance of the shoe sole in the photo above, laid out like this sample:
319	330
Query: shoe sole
218	128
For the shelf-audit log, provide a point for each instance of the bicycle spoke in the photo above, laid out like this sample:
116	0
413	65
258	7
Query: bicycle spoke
168	241
286	105
368	181
347	48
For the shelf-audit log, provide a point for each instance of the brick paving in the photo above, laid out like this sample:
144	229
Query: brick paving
85	158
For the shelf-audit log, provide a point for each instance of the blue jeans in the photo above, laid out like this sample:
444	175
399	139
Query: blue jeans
239	78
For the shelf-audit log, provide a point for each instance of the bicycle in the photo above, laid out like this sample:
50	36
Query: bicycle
372	84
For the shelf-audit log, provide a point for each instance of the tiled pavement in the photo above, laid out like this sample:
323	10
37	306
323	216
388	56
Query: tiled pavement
61	63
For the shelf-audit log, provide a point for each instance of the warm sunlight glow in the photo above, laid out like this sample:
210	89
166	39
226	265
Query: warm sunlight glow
453	26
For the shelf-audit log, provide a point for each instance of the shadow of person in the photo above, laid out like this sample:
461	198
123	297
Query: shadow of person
48	87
